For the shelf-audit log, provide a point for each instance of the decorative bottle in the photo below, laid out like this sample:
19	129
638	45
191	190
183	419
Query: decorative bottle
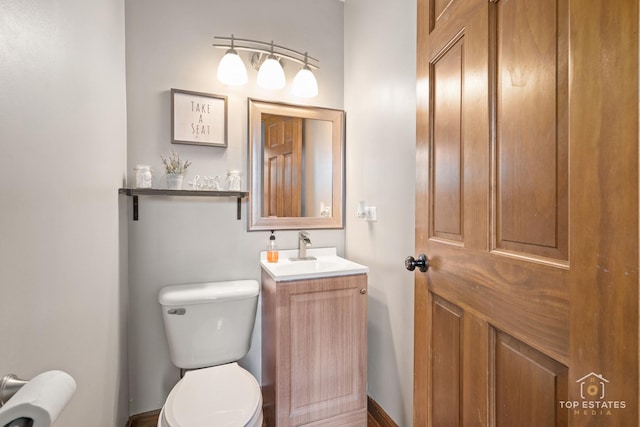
272	249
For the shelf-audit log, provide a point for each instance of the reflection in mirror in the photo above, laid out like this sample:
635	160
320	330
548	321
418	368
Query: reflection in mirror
296	166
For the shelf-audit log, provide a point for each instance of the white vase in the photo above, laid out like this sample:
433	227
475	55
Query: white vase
174	181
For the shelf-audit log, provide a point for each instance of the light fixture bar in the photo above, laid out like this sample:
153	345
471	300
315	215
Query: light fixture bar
269	48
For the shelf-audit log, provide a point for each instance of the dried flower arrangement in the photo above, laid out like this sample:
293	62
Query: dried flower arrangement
174	164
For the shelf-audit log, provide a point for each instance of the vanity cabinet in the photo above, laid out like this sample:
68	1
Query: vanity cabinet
314	351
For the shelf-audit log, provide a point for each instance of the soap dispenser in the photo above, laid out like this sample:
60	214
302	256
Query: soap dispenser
272	249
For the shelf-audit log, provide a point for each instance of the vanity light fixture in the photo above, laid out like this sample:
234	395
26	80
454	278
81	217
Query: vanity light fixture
304	83
271	74
267	58
231	70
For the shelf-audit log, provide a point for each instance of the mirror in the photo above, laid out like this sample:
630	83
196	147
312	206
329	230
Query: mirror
296	166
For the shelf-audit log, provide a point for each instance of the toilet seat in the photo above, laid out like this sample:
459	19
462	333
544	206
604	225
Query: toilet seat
221	396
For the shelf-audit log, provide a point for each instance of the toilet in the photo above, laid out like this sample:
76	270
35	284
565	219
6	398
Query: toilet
208	328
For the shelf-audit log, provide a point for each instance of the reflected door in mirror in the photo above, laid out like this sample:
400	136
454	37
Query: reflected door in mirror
282	166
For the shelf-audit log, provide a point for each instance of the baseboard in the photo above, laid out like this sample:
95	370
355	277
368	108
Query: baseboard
147	419
377	415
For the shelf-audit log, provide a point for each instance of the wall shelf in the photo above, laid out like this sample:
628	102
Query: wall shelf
135	192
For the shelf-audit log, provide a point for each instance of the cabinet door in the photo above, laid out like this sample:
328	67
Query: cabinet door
322	356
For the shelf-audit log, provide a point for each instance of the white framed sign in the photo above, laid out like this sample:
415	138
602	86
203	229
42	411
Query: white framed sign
198	118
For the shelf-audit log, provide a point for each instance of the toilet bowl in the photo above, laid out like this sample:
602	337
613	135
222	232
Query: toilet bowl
220	396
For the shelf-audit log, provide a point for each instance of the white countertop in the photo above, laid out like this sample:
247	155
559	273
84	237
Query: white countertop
326	264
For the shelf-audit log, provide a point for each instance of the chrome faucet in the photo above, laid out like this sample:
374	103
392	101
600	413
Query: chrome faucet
304	242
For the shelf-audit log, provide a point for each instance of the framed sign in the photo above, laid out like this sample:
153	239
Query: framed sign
198	118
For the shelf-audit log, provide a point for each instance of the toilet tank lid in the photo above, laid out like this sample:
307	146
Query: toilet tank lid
200	293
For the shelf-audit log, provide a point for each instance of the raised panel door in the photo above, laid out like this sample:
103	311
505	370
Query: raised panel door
515	309
282	179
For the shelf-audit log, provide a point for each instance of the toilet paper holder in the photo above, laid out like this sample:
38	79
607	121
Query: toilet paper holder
36	402
9	385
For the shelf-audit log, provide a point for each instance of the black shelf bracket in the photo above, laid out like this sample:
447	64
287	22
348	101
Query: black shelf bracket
135	208
135	192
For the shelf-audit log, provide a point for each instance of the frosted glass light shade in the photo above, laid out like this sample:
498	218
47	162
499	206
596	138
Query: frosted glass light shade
271	74
305	84
231	70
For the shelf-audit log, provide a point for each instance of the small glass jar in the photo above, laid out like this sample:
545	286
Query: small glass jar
144	177
234	180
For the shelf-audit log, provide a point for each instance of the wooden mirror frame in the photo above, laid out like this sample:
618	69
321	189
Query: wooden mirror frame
337	119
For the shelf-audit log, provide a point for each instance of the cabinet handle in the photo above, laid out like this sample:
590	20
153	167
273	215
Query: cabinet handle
363	291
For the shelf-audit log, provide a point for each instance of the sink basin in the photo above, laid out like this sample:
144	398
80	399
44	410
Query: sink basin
326	264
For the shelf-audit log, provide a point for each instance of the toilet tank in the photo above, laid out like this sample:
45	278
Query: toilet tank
209	324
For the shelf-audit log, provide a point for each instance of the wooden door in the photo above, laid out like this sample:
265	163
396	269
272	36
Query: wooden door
282	166
527	208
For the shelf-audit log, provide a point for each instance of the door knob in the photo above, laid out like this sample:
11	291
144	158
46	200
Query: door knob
422	263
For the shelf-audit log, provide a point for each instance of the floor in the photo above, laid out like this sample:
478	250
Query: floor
150	419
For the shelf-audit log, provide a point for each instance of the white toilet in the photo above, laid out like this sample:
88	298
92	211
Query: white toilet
208	328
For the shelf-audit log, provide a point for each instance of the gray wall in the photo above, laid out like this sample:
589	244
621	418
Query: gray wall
380	87
63	297
63	294
186	240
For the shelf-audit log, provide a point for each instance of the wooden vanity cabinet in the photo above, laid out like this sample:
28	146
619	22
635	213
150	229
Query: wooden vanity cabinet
314	351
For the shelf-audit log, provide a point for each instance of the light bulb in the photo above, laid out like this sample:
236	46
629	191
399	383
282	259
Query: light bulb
271	74
231	70
305	84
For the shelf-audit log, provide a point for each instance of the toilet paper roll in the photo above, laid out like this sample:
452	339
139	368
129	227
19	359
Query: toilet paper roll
42	399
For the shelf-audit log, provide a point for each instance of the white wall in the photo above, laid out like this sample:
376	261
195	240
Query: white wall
187	240
380	87
63	141
318	180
